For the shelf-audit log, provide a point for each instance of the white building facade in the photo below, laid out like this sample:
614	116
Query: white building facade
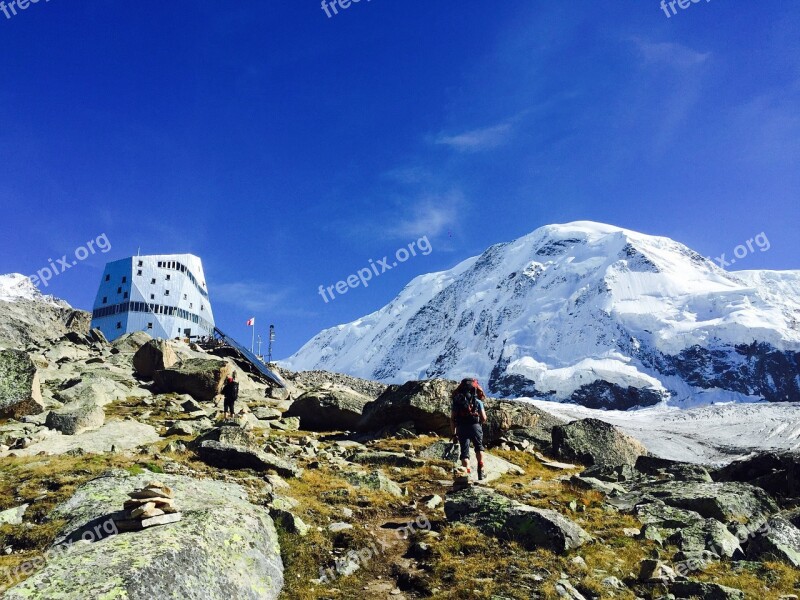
163	295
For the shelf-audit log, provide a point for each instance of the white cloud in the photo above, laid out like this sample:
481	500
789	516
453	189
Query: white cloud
252	296
478	140
671	53
430	215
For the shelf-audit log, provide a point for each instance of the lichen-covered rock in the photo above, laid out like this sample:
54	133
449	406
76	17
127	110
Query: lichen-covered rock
777	540
231	456
131	342
501	517
113	436
707	591
373	480
201	378
20	390
155	355
741	504
777	473
594	442
663	468
708	535
76	418
666	517
532	423
425	403
223	548
329	409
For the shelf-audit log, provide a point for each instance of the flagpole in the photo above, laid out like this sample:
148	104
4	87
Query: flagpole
253	343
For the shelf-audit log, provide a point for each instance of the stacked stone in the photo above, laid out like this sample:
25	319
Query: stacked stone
460	478
154	504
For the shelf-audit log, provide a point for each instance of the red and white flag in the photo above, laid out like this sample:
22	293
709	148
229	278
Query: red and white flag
251	322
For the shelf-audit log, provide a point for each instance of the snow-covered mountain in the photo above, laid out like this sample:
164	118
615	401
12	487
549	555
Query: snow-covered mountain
587	313
16	287
29	317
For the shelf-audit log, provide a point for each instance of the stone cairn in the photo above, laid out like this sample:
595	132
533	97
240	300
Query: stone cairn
154	504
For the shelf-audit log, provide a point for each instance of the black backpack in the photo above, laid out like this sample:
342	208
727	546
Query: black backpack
231	391
465	404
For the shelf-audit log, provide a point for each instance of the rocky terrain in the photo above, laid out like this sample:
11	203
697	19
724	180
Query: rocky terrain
336	487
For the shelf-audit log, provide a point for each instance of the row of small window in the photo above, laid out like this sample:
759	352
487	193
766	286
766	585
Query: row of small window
153	297
156	309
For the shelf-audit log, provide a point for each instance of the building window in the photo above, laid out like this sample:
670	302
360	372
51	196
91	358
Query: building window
160	264
119	324
105	299
119	290
190	305
185	296
149	325
108	277
169	276
140	263
124	279
166	292
152	296
139	272
153	281
125	295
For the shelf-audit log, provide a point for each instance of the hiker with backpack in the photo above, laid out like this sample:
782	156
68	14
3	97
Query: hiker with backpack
467	416
231	393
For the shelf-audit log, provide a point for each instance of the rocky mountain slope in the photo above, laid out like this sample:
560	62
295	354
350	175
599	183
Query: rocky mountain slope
27	315
586	313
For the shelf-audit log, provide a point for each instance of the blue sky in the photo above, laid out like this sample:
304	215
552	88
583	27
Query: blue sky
287	149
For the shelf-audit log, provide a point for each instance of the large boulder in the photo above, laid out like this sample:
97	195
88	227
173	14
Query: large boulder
224	547
498	516
94	389
777	473
232	456
155	355
131	342
425	403
710	535
201	378
114	436
594	442
76	418
20	390
779	540
706	591
334	408
745	508
529	421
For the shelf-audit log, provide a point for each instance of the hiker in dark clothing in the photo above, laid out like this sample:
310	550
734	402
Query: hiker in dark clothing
231	392
467	416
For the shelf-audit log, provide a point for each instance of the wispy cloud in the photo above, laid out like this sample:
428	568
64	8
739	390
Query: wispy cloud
249	295
670	53
431	215
478	140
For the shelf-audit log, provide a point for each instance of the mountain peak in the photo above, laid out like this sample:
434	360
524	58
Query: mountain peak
15	287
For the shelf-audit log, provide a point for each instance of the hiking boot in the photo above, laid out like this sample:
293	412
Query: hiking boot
480	472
